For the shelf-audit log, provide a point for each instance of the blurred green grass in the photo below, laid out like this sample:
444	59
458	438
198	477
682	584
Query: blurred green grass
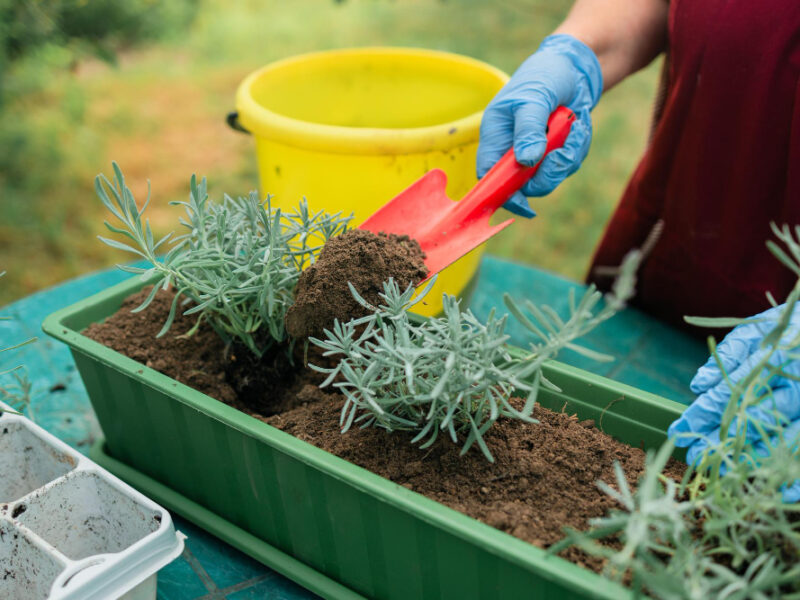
159	113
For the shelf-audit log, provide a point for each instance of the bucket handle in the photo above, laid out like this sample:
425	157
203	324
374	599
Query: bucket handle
232	119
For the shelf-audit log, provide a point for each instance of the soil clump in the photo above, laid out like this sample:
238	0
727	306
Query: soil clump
544	476
362	258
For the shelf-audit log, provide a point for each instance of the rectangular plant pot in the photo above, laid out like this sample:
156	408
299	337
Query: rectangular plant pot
374	537
70	530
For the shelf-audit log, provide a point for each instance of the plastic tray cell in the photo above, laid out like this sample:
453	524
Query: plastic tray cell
26	570
27	462
93	517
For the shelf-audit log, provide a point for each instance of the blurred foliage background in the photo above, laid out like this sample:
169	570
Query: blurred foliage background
148	83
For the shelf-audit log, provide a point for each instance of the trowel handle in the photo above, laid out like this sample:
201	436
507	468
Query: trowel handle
508	176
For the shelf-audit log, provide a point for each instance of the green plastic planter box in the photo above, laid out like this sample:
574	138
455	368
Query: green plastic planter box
335	528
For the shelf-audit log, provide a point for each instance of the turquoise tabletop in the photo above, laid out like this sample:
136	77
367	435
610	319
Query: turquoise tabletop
648	355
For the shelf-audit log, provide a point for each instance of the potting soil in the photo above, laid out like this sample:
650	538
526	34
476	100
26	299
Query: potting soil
543	479
232	375
362	258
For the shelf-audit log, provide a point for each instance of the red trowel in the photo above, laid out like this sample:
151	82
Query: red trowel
447	229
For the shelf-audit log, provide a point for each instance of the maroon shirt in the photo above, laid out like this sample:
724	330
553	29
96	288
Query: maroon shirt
723	162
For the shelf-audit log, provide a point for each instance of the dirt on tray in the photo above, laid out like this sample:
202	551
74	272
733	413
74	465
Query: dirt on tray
543	478
233	375
362	258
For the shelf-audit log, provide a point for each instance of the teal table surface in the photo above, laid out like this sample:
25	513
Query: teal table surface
648	354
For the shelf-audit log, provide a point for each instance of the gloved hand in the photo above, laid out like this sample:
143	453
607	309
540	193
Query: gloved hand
562	72
739	352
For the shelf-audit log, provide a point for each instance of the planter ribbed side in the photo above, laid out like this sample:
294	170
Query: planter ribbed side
371	535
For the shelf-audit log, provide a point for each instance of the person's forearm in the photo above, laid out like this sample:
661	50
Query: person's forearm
624	34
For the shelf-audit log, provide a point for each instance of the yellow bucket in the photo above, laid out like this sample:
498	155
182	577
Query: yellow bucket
350	129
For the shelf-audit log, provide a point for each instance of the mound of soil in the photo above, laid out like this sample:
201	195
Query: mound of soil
362	258
543	478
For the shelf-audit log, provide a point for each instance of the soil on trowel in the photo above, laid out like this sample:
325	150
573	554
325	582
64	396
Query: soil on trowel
543	479
362	258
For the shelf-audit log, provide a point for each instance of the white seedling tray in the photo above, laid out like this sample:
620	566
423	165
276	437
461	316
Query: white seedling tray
70	530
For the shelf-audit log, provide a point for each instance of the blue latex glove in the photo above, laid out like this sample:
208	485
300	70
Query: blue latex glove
738	352
562	72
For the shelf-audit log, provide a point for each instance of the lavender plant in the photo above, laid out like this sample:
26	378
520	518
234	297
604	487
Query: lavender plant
725	531
236	264
15	393
451	374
